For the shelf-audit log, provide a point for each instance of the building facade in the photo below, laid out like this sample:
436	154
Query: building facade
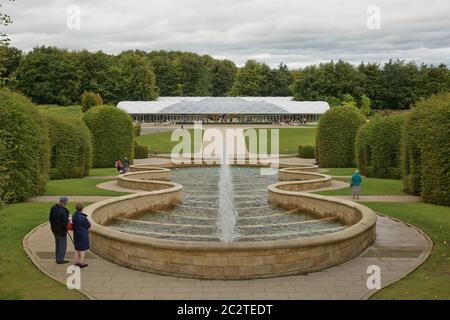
223	110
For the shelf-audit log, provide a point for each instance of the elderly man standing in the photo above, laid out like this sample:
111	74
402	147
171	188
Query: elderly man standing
59	218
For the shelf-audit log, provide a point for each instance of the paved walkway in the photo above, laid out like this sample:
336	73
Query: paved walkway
398	250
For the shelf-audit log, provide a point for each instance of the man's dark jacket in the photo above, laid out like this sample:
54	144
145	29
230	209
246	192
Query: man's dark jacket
59	218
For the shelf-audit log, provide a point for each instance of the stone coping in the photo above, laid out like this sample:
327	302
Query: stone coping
303	177
368	220
233	260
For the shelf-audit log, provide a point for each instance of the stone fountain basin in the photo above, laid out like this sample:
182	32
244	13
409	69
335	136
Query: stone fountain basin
235	260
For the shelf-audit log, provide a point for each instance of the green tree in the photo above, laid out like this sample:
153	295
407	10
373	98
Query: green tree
252	80
131	78
372	82
280	81
48	76
165	73
10	58
222	74
192	74
93	71
401	85
435	80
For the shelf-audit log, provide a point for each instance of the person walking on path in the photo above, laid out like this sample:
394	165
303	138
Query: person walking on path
59	218
126	165
356	184
81	227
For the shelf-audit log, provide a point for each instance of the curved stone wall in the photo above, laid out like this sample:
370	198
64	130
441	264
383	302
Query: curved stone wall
236	260
144	180
306	180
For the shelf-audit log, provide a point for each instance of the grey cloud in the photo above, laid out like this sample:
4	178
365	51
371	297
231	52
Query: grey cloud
295	32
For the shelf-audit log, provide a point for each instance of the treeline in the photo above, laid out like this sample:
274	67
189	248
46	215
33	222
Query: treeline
50	75
395	85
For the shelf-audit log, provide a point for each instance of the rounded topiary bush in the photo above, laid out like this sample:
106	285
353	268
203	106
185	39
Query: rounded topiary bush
306	152
377	147
140	151
112	135
426	150
137	130
335	140
24	151
70	148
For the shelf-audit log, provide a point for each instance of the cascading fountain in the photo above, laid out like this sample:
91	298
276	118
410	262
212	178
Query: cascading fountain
226	214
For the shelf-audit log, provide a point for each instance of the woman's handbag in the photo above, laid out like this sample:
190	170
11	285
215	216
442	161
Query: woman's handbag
70	226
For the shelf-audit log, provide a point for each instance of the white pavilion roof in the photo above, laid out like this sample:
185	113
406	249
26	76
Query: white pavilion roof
224	105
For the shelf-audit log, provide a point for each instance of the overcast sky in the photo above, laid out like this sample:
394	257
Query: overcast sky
296	32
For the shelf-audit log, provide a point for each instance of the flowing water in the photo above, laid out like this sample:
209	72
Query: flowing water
225	204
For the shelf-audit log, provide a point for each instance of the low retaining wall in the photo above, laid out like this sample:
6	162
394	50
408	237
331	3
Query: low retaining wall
304	180
236	260
144	180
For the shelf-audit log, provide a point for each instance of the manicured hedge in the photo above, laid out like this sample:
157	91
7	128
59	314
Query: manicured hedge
137	130
140	151
112	135
377	147
335	140
363	146
306	152
24	151
426	150
70	148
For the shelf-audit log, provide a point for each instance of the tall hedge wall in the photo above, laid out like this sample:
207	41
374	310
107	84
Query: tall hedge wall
71	149
335	140
377	147
112	135
24	151
363	147
426	150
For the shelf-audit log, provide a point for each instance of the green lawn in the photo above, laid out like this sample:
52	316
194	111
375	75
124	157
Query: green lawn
161	141
339	171
432	279
19	278
78	187
370	186
98	172
291	138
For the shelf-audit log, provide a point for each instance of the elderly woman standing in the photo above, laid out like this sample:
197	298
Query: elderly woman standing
81	227
356	184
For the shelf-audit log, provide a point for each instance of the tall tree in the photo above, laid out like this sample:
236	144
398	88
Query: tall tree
401	85
192	75
131	78
280	81
252	80
48	76
222	74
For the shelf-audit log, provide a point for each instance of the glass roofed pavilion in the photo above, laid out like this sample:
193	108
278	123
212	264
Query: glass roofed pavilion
222	110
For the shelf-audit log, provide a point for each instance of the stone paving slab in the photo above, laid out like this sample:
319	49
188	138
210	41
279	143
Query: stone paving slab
105	280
